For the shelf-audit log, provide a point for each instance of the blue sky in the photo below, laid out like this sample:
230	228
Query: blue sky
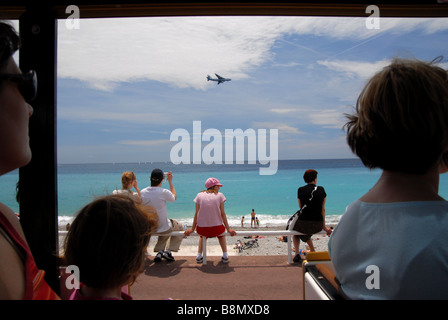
125	84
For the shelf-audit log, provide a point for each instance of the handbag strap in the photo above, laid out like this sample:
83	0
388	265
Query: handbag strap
312	193
309	200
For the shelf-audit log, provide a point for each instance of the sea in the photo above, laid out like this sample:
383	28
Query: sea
273	197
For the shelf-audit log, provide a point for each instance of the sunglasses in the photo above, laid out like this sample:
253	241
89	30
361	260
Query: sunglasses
27	83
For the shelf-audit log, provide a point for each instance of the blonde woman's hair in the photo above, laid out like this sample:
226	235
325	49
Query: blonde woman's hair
126	178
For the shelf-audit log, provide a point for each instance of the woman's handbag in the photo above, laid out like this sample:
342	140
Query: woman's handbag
293	220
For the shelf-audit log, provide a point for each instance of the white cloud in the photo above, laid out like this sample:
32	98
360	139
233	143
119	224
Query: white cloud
363	70
89	115
282	127
283	110
310	148
177	51
287	65
182	51
360	69
145	143
443	65
328	118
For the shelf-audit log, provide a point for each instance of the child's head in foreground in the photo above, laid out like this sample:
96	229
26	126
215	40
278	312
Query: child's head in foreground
107	241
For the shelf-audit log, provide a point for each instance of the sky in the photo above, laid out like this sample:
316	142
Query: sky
125	85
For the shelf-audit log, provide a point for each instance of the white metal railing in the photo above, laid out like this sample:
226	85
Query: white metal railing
247	233
238	233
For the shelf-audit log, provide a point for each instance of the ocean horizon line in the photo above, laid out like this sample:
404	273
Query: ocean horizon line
202	163
145	167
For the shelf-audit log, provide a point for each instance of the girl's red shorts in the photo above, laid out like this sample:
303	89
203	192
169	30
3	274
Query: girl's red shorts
210	232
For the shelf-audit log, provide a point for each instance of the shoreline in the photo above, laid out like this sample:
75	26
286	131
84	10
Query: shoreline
267	222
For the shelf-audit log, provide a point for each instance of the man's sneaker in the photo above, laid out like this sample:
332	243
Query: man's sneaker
199	259
297	258
167	255
158	257
224	260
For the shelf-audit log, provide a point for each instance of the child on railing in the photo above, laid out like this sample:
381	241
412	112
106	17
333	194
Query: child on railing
210	218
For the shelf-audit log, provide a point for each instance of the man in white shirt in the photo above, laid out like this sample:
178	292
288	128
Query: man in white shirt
156	196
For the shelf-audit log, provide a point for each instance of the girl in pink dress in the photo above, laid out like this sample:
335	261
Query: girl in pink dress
210	218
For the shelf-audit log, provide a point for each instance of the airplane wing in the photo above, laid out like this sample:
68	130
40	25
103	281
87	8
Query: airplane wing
219	77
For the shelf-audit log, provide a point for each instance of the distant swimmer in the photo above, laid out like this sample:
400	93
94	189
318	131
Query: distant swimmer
252	220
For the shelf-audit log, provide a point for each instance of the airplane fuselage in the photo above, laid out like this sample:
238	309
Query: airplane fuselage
218	79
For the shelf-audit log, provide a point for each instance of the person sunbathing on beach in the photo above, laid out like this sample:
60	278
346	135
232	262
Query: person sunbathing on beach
391	242
210	218
107	241
282	238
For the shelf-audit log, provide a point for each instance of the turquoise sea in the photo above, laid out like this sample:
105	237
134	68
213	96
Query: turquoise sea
274	197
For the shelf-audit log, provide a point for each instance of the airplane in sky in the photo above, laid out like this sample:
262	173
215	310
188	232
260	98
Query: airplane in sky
219	78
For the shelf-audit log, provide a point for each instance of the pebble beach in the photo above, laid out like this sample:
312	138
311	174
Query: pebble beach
267	245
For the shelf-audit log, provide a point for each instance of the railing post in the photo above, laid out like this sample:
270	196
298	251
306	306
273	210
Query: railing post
288	237
204	250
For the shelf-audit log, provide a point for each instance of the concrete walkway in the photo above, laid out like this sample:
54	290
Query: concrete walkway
243	278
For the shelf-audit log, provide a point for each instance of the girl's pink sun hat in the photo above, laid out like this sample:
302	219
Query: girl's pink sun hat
211	182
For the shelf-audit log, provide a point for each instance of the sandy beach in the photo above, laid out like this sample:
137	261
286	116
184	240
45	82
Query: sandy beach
267	245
